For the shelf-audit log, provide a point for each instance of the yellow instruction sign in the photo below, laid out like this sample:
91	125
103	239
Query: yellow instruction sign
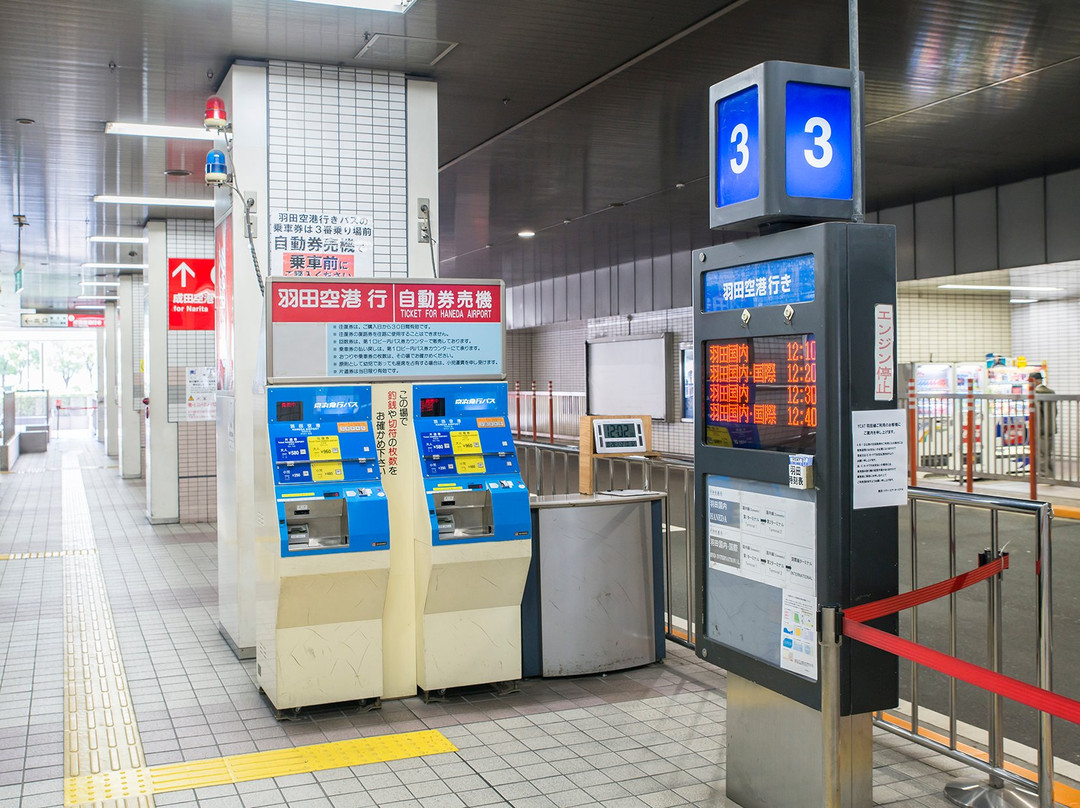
467	441
323	447
326	472
470	465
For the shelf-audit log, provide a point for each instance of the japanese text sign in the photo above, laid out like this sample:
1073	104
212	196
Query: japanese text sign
191	294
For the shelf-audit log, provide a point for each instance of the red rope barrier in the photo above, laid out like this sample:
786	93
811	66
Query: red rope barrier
1042	700
918	597
1030	695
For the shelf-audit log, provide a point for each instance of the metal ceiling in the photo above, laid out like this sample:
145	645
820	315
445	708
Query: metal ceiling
549	111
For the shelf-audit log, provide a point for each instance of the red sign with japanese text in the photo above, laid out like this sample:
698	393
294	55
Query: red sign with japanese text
86	321
191	294
318	265
386	302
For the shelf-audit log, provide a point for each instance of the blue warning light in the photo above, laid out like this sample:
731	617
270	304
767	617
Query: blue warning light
216	170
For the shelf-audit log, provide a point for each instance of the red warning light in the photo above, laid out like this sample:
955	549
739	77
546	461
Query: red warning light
215	117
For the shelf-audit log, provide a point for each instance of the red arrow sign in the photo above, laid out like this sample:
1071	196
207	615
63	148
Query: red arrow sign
191	294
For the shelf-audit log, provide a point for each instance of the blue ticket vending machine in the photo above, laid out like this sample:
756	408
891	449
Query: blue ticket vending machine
323	570
472	563
469	464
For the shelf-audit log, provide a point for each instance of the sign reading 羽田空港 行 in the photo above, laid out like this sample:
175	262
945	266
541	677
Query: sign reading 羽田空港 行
380	328
191	294
769	283
317	244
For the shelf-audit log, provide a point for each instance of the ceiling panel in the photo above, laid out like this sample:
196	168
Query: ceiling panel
549	112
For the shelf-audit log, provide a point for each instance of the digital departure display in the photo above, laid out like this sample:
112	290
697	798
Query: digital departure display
761	393
432	407
290	411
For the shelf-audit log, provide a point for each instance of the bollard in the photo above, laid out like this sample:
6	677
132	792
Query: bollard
969	406
1033	443
829	638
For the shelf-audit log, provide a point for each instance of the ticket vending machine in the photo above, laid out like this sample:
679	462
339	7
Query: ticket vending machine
800	462
473	549
322	546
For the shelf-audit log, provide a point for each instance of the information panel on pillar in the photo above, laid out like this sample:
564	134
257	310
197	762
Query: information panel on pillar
384	328
794	357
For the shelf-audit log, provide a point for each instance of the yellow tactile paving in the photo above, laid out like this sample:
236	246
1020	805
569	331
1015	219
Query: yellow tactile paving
255	766
46	554
100	734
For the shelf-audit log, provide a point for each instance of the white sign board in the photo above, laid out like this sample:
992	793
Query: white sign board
200	394
320	244
879	445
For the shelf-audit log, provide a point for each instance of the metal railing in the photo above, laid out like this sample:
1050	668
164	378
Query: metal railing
550	469
1002	437
945	739
544	414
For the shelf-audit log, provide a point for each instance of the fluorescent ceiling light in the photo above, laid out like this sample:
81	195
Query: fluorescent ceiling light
158	130
27	311
1023	300
84	306
99	283
979	288
97	297
526	234
96	265
165	201
398	6
120	239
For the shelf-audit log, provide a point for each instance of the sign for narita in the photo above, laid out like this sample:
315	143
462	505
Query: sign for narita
191	294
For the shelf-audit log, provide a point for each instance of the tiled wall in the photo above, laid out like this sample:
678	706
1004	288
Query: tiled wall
1050	331
337	144
938	327
195	439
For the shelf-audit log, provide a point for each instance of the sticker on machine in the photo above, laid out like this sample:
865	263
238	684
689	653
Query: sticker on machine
798	634
763	532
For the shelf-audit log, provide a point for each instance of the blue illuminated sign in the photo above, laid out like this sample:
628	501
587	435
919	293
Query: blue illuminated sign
818	141
769	283
738	165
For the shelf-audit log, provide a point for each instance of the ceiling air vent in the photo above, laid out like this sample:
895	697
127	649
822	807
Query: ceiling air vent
396	52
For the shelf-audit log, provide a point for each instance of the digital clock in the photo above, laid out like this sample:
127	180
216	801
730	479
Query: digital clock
761	393
619	435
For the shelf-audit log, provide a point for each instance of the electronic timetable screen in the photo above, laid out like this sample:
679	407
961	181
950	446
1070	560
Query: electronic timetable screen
761	393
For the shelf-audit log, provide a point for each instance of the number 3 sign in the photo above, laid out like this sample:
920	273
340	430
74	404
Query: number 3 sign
781	138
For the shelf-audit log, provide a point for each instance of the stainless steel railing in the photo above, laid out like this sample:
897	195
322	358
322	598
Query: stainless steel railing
1002	438
553	469
910	724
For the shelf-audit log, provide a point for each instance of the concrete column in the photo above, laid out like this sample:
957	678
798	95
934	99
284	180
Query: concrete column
99	375
112	356
162	458
239	309
129	414
422	131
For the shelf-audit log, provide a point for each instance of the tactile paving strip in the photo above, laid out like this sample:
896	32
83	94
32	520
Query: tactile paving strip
138	783
47	554
100	734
